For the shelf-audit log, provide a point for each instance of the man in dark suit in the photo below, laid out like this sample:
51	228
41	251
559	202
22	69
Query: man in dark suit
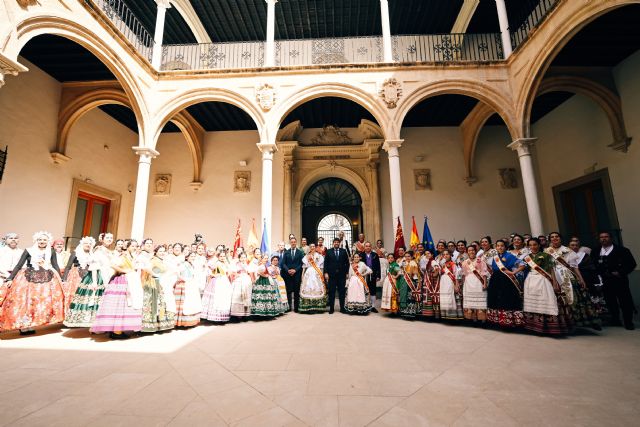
614	264
279	253
373	262
292	272
336	267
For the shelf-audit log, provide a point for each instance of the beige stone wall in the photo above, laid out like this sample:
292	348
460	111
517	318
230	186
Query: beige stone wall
455	209
575	136
35	193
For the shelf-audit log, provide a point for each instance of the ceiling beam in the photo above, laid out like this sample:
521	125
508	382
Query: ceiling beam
464	16
193	21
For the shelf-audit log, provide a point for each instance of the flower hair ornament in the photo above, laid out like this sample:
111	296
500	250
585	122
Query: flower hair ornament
44	234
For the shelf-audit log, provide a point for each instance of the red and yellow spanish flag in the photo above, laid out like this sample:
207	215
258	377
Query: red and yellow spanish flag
252	240
415	240
399	239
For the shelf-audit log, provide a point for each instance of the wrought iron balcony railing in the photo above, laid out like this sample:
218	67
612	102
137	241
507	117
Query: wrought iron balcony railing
430	48
448	48
119	14
540	9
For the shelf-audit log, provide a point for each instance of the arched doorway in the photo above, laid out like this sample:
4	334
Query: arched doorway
326	202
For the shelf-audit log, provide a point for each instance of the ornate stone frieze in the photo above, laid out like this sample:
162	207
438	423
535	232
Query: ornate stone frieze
390	92
508	178
331	135
265	96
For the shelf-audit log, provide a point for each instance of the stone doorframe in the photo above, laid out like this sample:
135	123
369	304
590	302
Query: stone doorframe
356	164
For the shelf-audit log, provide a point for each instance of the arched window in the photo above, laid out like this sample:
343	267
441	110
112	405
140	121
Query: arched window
331	224
332	192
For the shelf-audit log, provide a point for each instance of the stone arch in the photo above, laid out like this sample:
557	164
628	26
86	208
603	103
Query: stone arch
177	104
470	128
606	99
497	101
85	102
68	28
565	23
334	171
340	90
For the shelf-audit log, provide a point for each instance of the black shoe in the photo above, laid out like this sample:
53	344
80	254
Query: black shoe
29	332
374	310
343	311
596	327
330	311
629	326
114	336
296	311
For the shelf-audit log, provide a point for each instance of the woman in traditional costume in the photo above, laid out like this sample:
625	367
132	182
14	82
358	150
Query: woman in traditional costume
450	289
33	296
216	300
389	301
431	287
320	248
313	291
85	302
121	307
590	275
357	299
241	286
504	294
156	315
75	270
274	271
487	251
409	287
545	311
475	275
265	296
573	285
187	294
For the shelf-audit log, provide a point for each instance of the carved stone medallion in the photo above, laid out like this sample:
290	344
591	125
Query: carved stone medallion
266	96
162	184
390	92
422	179
242	181
331	135
508	178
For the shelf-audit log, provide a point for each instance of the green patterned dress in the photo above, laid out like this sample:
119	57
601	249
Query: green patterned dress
155	316
84	305
265	296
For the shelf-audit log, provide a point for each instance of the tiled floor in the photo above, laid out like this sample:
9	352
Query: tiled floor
321	370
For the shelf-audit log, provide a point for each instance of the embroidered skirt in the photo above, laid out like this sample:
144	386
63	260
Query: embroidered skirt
357	298
27	305
409	302
183	320
504	304
86	301
265	298
114	314
216	300
155	316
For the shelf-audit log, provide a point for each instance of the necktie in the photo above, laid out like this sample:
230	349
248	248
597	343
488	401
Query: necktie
337	253
292	251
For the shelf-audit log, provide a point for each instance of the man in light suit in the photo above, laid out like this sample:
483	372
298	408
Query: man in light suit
336	267
292	272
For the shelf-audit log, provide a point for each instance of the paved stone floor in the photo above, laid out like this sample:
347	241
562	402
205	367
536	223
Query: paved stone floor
321	370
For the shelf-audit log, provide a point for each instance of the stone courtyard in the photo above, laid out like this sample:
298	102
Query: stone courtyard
320	370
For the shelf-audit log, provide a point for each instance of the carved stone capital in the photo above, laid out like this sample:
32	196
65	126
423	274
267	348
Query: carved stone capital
392	144
522	145
195	185
145	153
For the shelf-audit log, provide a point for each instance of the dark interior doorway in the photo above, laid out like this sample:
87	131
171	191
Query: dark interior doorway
331	196
586	206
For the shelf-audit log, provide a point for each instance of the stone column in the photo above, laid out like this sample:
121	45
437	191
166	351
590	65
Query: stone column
142	190
392	149
386	31
156	58
267	150
522	146
503	19
286	209
270	51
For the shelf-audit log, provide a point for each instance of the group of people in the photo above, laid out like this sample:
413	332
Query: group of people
124	287
522	282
